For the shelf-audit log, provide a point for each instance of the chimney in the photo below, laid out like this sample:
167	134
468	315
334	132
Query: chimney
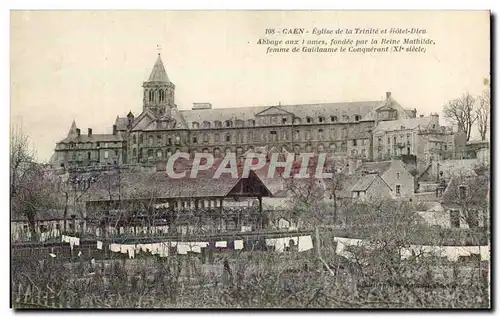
388	95
90	132
114	130
78	132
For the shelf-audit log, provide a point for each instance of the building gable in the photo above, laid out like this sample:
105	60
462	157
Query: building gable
398	175
143	121
273	111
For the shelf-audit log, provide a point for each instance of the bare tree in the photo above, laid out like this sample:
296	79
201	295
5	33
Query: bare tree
461	111
30	188
483	114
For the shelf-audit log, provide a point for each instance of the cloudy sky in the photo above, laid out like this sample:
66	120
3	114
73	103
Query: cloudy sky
89	66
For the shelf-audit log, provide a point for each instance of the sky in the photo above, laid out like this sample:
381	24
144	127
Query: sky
89	65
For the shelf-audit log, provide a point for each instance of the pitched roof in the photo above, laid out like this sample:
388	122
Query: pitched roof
158	74
121	123
345	191
302	110
409	123
147	185
72	129
365	182
380	167
93	138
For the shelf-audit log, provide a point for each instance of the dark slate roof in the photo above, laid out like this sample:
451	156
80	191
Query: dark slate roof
93	138
147	185
365	182
158	74
347	186
121	123
380	167
303	110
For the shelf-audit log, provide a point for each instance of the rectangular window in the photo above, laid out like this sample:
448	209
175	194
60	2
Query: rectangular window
195	140
354	143
455	218
116	153
273	135
106	154
283	120
462	192
398	190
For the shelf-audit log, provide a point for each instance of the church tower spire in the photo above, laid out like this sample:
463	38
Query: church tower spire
73	130
159	91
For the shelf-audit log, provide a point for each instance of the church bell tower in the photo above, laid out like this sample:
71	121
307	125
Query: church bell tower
159	91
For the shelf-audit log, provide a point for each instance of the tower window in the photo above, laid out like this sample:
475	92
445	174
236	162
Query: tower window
162	95
151	96
398	190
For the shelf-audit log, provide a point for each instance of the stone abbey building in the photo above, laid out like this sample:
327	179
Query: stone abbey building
342	129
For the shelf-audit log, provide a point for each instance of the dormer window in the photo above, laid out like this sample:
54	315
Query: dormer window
251	122
333	119
218	124
357	117
206	124
196	125
321	119
228	123
297	120
345	118
309	120
283	120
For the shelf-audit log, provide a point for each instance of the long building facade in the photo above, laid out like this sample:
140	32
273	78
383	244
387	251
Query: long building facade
344	129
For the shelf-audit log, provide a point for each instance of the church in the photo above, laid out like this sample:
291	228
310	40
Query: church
341	129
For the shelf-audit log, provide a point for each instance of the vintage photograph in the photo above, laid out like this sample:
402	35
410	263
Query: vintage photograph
250	159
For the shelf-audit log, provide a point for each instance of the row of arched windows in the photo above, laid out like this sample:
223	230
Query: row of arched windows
251	122
154	95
